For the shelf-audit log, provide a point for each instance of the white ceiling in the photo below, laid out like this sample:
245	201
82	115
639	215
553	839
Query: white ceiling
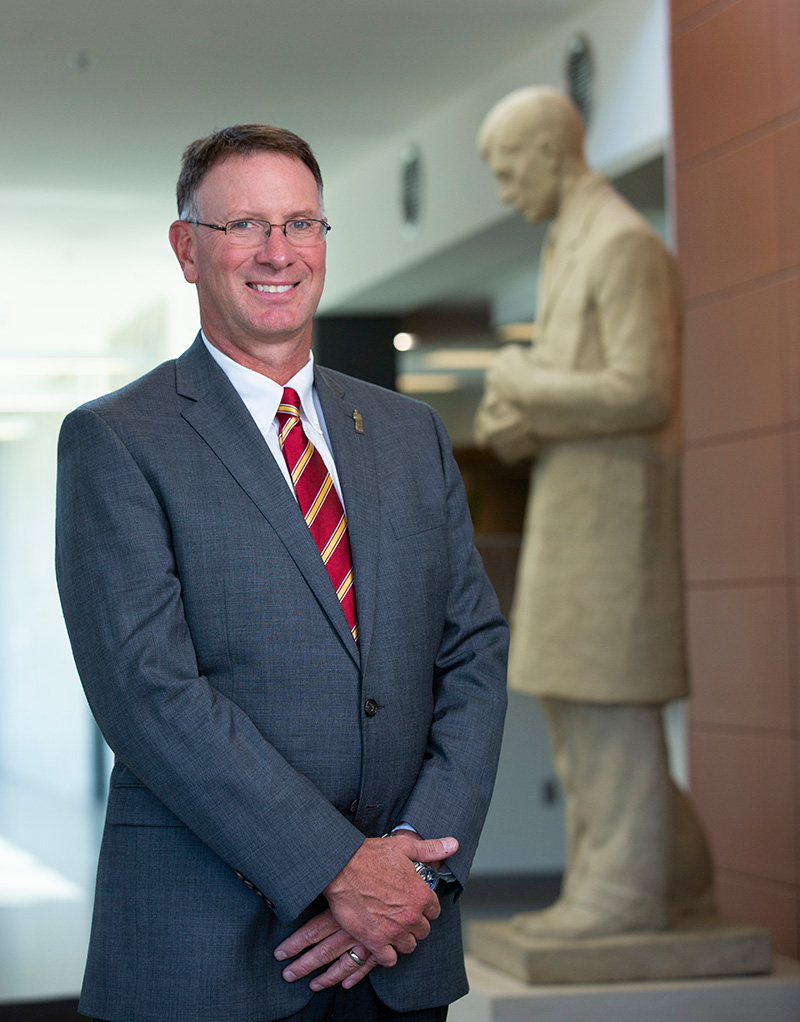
342	73
102	95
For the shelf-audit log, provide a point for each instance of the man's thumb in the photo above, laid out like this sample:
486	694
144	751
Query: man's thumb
436	848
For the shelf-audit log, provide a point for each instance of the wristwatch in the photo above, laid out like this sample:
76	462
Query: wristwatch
430	874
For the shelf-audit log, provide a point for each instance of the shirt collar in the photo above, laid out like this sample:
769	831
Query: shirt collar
262	395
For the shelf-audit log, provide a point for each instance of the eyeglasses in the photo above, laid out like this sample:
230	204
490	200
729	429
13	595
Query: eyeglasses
251	233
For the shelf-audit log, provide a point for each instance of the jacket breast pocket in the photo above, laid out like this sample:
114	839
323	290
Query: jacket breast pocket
413	523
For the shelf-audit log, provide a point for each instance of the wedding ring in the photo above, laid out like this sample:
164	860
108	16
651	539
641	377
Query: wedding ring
356	959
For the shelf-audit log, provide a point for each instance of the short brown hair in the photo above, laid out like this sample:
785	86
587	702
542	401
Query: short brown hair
239	140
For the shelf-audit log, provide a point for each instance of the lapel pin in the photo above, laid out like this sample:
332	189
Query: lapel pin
358	420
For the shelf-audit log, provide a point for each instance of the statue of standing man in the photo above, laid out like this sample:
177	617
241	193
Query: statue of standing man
597	623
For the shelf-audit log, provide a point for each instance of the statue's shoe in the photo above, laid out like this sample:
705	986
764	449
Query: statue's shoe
574	921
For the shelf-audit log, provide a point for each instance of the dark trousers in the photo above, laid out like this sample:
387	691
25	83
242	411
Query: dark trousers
357	1005
360	1004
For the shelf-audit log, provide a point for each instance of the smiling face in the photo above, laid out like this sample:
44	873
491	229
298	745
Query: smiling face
256	305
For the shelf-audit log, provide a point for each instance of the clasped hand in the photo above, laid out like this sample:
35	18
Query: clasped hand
378	906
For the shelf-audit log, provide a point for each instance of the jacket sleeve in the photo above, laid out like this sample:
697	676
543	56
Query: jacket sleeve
633	301
453	789
194	748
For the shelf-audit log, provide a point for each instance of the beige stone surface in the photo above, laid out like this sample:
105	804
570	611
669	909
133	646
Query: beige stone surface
703	947
497	997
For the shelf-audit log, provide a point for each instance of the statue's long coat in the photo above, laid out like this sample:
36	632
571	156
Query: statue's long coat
598	612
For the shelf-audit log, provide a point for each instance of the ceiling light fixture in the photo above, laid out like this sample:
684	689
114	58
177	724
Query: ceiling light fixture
405	342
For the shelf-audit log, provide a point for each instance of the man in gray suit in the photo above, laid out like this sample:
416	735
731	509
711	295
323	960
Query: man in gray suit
297	718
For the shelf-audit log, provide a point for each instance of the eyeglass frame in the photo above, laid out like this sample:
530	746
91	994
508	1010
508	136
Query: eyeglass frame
268	226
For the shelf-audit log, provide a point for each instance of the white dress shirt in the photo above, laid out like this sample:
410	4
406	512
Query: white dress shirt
262	396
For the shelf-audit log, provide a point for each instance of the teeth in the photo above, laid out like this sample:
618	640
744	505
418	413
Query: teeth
271	289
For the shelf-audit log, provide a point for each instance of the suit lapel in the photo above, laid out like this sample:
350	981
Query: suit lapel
564	240
355	464
219	416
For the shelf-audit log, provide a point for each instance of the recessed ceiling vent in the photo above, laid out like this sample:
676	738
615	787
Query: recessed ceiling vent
579	70
411	188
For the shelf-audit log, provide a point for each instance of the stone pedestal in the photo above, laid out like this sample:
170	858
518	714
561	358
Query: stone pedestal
497	997
702	947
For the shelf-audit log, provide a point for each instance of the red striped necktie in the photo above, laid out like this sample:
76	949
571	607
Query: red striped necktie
319	502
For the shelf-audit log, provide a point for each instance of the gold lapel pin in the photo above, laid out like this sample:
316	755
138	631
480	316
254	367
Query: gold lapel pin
358	420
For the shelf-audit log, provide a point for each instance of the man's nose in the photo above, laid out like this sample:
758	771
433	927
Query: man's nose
275	247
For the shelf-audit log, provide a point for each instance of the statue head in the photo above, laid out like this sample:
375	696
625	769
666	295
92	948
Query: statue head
533	142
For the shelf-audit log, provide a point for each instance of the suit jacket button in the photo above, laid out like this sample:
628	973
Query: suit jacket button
353	807
370	707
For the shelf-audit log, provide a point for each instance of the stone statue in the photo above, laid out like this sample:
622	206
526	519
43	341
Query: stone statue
597	622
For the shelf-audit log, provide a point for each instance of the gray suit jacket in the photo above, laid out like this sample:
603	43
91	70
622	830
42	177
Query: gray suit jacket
252	736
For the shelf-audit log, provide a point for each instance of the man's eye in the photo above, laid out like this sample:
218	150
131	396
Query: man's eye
300	225
243	225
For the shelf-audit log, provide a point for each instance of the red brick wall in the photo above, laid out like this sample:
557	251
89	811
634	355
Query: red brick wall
736	97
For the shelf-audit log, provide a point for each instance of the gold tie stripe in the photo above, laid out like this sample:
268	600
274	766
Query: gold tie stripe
319	502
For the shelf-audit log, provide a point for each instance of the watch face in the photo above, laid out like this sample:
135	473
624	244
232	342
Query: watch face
428	874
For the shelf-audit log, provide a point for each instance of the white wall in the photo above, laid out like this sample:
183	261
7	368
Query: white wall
44	722
46	732
522	834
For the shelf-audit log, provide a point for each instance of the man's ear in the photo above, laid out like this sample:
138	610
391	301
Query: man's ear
552	150
182	239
